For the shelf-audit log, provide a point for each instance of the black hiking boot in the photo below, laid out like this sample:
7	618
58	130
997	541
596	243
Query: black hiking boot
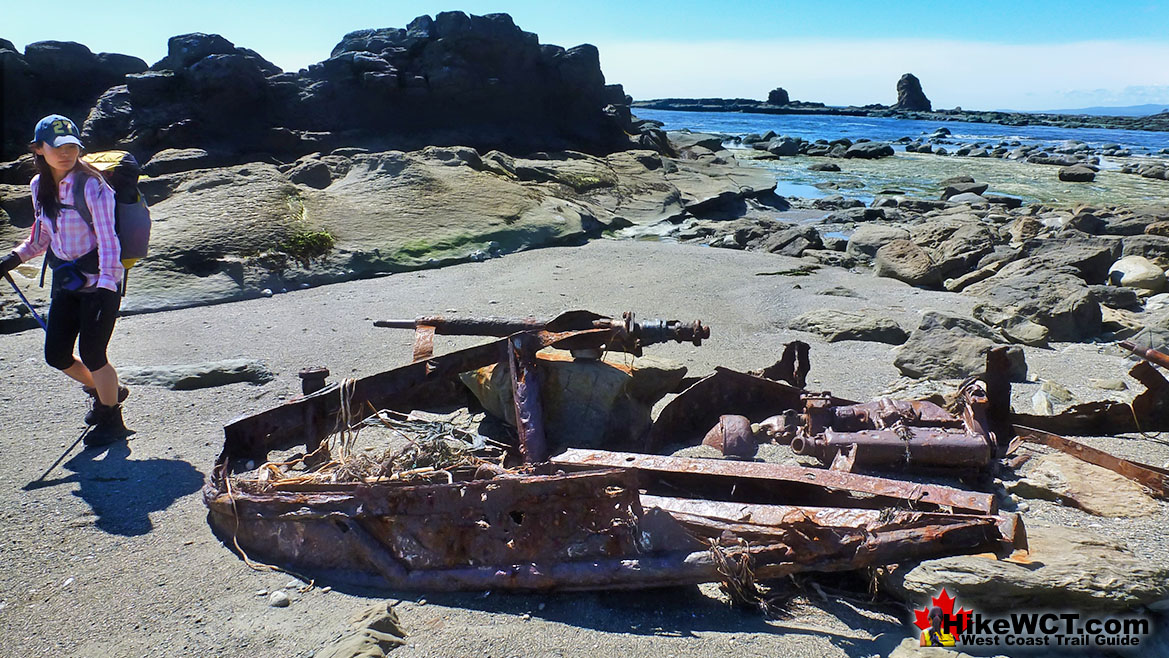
90	418
107	427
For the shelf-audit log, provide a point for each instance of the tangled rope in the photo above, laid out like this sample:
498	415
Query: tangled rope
347	424
738	577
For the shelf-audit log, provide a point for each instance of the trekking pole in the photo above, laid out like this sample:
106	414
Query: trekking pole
26	302
37	483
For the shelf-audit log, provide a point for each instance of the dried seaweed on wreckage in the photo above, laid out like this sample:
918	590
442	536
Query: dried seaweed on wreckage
428	450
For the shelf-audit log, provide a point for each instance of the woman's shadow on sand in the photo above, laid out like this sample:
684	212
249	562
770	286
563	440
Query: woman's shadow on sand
123	492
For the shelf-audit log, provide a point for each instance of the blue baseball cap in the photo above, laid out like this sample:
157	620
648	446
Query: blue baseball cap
56	130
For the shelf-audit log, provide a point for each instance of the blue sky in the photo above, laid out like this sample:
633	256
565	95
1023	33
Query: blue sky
1022	54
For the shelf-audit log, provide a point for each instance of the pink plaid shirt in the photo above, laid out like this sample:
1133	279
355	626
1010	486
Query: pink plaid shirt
73	237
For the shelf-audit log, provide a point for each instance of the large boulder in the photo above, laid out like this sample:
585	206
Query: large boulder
1066	568
185	50
1055	297
1013	326
910	96
957	188
905	261
1153	247
1063	478
869	150
1090	255
1077	174
836	325
783	146
964	249
792	241
868	238
1137	272
951	347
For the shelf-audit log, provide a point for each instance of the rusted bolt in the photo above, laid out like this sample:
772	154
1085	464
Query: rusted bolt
312	379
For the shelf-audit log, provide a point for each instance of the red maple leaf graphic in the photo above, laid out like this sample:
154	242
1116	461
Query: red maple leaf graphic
946	603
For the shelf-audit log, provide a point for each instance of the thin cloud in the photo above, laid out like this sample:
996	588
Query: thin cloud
970	74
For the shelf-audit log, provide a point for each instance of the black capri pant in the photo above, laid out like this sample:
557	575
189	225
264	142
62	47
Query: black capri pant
85	317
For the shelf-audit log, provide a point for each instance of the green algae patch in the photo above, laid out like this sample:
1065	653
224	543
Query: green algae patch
919	175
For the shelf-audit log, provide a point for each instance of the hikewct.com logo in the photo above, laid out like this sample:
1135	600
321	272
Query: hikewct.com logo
941	626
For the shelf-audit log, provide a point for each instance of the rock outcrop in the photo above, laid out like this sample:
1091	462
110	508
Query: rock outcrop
455	79
1067	568
225	233
778	96
910	96
53	77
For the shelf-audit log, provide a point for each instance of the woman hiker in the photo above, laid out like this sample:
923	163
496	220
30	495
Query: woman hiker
87	269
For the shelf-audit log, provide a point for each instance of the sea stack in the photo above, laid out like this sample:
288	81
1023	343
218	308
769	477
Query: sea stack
778	96
910	96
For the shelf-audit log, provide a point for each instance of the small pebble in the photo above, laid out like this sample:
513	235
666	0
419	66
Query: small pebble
526	616
261	592
279	600
421	601
1023	506
291	584
267	292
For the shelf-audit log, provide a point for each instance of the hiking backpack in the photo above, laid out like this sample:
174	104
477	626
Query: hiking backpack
131	215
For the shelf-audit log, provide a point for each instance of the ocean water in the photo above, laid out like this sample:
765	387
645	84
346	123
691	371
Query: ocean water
880	129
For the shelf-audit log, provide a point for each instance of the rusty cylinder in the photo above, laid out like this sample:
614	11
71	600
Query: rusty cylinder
732	436
907	446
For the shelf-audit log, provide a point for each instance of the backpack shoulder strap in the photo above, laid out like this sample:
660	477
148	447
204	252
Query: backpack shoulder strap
80	180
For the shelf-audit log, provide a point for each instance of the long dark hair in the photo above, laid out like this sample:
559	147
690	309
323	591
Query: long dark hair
47	197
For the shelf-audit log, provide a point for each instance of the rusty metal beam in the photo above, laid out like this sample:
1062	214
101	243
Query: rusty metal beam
780	477
1152	477
684	568
525	389
1009	524
998	396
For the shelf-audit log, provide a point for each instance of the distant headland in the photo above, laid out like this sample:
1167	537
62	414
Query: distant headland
911	104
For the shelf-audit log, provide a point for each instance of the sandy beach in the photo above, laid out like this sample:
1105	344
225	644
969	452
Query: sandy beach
111	555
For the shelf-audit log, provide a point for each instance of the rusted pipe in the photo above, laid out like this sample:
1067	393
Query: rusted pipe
886	412
312	379
902	446
454	326
1149	354
631	332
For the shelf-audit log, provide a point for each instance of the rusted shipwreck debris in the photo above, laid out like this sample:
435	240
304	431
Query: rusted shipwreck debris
581	519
